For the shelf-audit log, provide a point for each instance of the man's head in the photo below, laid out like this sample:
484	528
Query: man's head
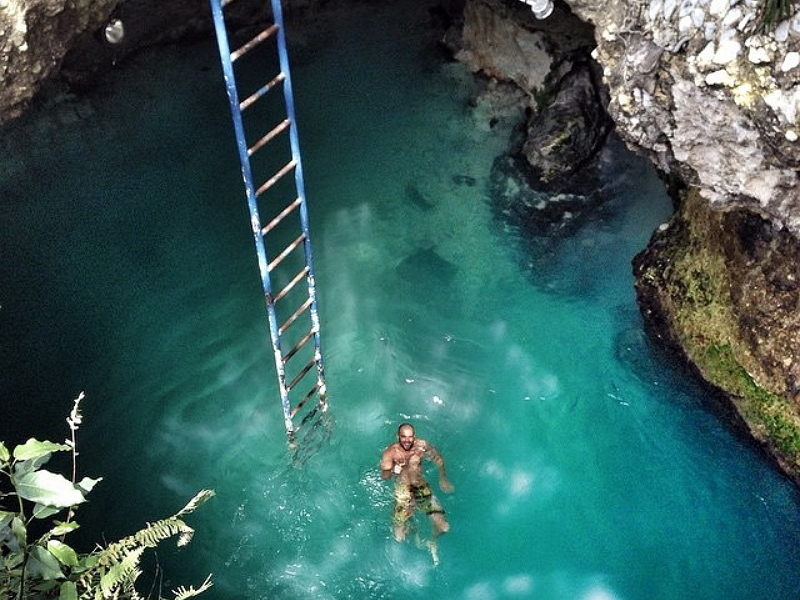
405	436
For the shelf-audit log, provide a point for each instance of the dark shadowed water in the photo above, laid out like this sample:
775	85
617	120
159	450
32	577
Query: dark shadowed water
584	467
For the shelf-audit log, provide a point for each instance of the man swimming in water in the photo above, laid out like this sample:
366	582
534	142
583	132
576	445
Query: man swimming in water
403	459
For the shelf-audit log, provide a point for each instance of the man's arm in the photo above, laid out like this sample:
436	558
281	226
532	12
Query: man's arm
438	460
387	464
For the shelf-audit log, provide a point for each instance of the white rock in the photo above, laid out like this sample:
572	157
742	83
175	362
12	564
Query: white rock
733	16
796	22
785	104
655	9
719	7
710	30
720	77
790	61
758	55
745	20
706	55
669	8
781	32
685	25
791	135
727	52
698	17
686	8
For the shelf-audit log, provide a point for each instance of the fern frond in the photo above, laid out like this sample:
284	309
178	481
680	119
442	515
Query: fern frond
182	593
118	579
149	537
199	498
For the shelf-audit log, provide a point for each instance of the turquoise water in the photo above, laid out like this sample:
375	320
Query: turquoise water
584	466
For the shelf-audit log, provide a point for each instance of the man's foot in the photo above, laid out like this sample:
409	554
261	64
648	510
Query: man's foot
434	553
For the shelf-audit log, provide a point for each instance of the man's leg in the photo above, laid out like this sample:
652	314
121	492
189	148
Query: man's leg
403	509
440	524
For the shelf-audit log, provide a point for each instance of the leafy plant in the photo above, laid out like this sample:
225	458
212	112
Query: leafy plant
773	12
45	567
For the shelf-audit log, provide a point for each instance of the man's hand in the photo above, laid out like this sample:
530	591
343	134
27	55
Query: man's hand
445	484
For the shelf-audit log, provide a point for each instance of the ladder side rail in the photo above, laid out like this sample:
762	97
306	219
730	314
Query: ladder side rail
255	222
283	58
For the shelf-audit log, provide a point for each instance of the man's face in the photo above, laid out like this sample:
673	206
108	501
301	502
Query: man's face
406	438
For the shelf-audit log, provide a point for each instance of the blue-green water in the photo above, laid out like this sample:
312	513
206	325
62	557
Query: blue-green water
584	467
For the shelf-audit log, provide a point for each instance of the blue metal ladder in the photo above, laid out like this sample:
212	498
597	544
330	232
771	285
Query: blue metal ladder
281	204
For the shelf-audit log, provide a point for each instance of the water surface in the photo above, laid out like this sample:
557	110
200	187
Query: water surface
584	466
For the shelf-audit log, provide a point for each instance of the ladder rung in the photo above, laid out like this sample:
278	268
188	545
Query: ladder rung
300	375
286	252
308	416
293	318
261	91
268	137
274	179
311	392
225	3
292	283
264	35
283	214
297	347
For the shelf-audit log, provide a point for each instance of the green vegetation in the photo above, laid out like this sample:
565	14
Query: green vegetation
45	567
773	12
759	407
695	284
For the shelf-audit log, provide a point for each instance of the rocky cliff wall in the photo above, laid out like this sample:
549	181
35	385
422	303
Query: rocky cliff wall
711	91
712	96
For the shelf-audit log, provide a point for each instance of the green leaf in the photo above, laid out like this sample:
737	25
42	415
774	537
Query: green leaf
68	591
63	553
42	511
23	467
5	517
49	488
19	531
4	454
33	448
14	560
43	564
87	484
63	528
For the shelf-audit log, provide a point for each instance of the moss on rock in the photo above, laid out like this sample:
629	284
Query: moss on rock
723	288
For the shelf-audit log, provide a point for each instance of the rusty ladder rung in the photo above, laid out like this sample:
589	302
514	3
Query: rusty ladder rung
286	251
311	392
275	178
303	272
245	48
303	307
297	346
301	374
268	137
280	217
261	91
